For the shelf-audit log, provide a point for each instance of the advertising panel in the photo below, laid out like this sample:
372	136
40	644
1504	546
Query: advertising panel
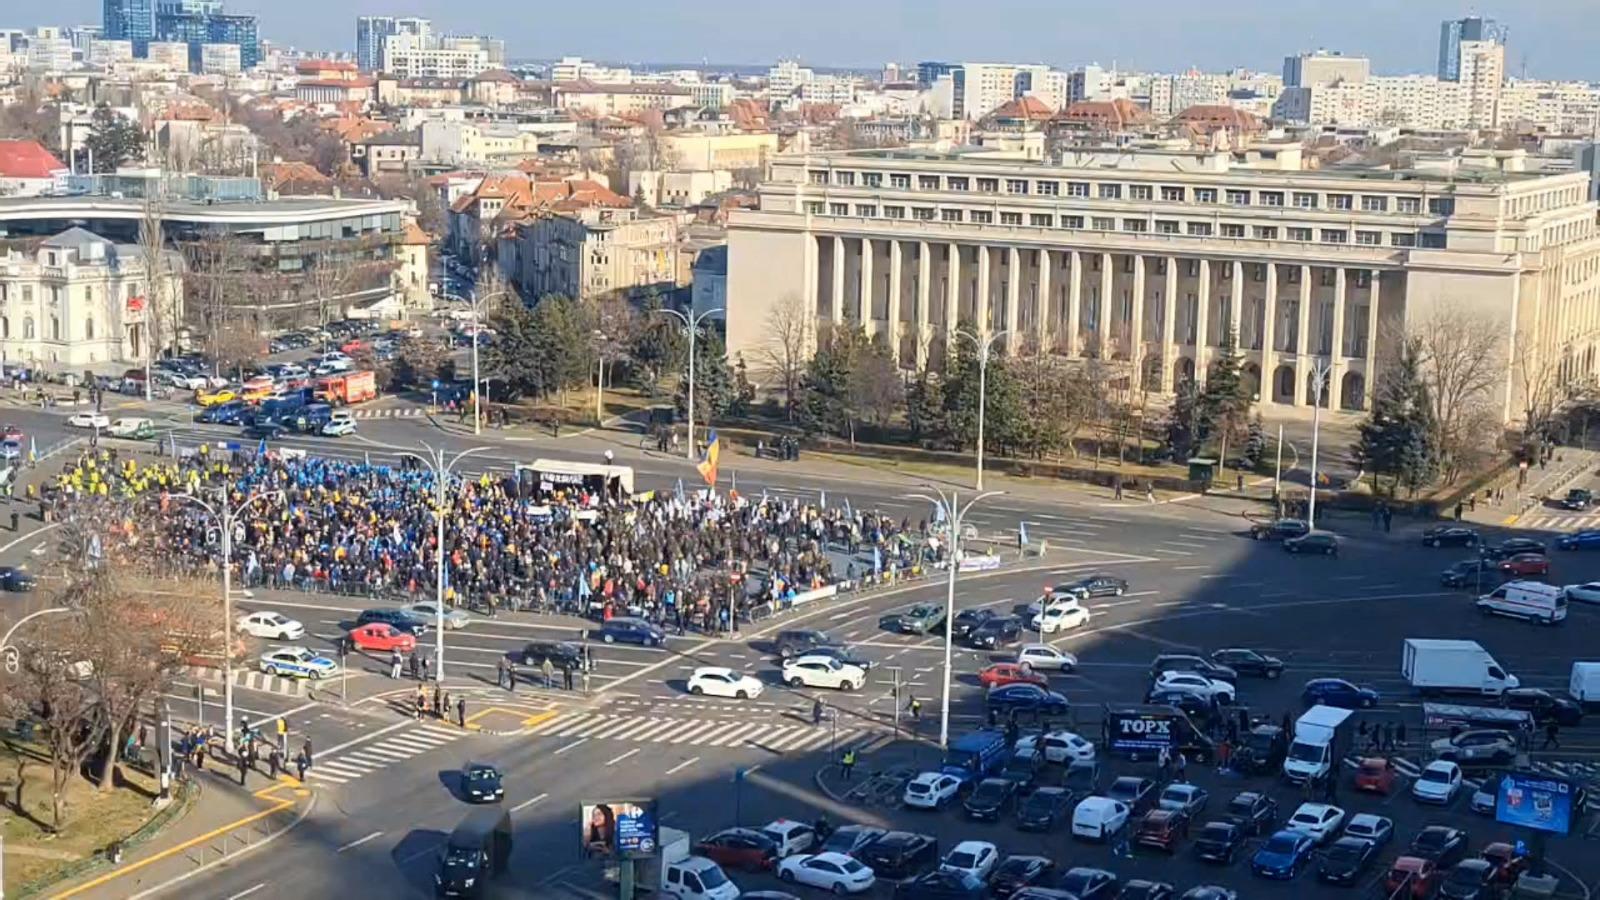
1535	801
620	829
1134	731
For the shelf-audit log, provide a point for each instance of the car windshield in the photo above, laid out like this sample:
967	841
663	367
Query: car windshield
1242	806
712	877
1429	840
1176	795
480	775
960	859
1309	753
1362	829
851	866
989	791
1039	803
1345	852
1306	819
1437	776
1260	743
1281	843
1124	788
1464	877
1216	831
919	787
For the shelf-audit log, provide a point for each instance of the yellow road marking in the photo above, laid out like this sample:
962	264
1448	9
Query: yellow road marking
545	716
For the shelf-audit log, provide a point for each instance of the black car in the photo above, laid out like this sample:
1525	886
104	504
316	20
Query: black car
266	429
1440	843
480	783
1045	808
16	580
1139	889
1220	841
969	619
1138	793
1097	585
1209	892
1043	893
1248	662
900	854
799	641
1255	812
1346	860
996	632
1544	706
1577	499
1449	536
990	798
1471	879
1025	698
561	654
399	618
851	839
1279	529
1195	706
1187	662
942	885
1317	543
1082	777
1087	883
1470	573
1017	872
1512	546
1261	751
1022	771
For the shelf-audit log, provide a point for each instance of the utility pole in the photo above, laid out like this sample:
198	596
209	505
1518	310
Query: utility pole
442	468
894	694
983	345
1320	373
954	513
691	328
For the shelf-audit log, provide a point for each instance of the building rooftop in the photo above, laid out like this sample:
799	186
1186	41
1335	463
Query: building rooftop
28	159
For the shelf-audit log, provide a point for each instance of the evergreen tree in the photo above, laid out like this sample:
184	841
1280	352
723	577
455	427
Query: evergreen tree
1003	418
1224	398
1255	443
1187	424
925	408
1398	437
113	140
714	389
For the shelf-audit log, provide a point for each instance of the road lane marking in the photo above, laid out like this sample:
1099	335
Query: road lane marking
247	891
575	743
528	802
683	765
616	759
1188	568
366	737
356	843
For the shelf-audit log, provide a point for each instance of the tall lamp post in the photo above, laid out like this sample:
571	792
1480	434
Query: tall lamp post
691	326
954	512
1320	373
476	304
983	346
442	466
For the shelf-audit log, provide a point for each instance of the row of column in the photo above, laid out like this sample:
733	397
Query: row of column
956	285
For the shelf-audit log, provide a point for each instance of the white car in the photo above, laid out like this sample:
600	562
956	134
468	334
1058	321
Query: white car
128	426
1195	685
272	626
297	662
1319	820
931	790
10	450
1588	592
976	858
791	837
428	612
1439	782
823	671
186	381
89	420
1045	658
718	681
1061	615
1097	818
1059	747
830	871
340	425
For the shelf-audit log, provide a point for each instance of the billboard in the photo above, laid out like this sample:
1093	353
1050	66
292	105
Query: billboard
620	829
1134	731
1535	801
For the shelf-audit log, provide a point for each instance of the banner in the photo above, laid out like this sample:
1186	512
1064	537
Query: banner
626	829
983	563
821	593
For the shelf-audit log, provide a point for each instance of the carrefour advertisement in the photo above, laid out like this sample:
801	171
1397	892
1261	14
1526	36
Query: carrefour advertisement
1535	801
620	829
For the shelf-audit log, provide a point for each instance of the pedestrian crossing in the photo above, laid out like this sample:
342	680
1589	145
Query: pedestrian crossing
1559	522
348	765
409	412
1402	765
699	732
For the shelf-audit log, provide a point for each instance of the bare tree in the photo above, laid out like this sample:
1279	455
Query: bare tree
49	687
1461	363
329	280
1057	397
791	340
216	280
1537	372
161	308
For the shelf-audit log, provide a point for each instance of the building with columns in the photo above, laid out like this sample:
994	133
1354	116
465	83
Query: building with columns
1154	256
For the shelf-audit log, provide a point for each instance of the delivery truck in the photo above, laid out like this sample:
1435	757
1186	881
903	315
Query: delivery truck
1584	685
347	388
1321	735
1436	666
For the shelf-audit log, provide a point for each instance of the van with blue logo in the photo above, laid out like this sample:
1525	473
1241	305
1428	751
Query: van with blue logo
973	756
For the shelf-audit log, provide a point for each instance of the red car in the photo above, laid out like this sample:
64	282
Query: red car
1507	864
1163	828
11	433
1010	673
382	636
1419	874
354	345
1526	564
739	848
1376	774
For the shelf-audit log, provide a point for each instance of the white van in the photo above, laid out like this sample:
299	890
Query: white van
1584	686
1097	818
697	878
1531	600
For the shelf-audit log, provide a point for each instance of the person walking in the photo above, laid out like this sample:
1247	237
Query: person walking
1551	735
302	762
274	763
1183	766
394	664
422	702
816	713
566	677
1224	752
915	707
244	766
424	668
548	669
283	737
1163	765
461	711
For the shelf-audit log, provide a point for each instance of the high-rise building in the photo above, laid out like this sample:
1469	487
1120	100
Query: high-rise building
1321	67
130	20
1482	71
1454	31
371	30
928	71
201	22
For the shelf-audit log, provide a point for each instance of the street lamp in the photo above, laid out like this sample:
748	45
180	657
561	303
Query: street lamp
691	326
441	469
954	512
476	303
982	345
1320	373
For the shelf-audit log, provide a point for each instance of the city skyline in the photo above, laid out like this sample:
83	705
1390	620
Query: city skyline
1164	36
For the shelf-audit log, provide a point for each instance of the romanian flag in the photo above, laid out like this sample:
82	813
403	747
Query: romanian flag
708	462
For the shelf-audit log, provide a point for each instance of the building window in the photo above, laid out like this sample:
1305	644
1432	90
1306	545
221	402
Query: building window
922	213
1441	206
55	328
1272	198
1135	225
1403	239
1363	278
982	217
1172	193
988	185
1205	195
1298	234
1011	218
1238	198
1330	277
899	180
1016	185
815	207
1227	271
1041	220
1139	192
1200	229
1334	236
1104	223
27	293
27	328
1294	275
1341	201
949	215
1432	240
88	329
866	210
1110	192
928	182
872	179
1166	226
1370	238
1231	230
1072	222
1266	232
1305	200
1193	269
1408	205
1094	262
838	209
894	212
956	183
818	176
1048	188
1077	189
1258	272
1370	203
848	179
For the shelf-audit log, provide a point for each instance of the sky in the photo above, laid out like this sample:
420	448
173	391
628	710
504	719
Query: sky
1551	38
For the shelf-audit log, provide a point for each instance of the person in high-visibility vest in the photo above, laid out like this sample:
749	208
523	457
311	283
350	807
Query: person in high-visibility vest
283	736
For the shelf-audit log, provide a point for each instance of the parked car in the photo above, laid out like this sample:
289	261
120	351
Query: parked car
739	848
1020	871
1138	793
1220	841
851	839
1440	843
1320	820
1470	879
1044	809
1375	774
1413	875
1347	861
1254	811
901	854
989	800
1056	746
931	790
1248	662
1368	827
1438	783
1162	828
1283	855
1186	798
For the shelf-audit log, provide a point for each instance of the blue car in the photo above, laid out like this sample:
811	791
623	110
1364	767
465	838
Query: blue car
1588	539
1283	855
1338	692
1027	698
629	630
224	413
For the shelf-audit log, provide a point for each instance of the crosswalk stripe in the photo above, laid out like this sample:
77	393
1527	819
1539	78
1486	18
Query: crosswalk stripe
324	776
345	770
421	742
435	731
577	725
374	760
679	729
792	736
655	729
554	723
711	737
745	731
612	728
381	751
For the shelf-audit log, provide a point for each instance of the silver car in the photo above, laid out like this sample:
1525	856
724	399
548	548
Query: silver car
1479	745
427	611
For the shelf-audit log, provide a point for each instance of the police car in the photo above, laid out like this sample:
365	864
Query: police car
297	662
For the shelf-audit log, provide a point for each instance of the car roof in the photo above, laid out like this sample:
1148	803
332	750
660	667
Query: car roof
973	846
1316	809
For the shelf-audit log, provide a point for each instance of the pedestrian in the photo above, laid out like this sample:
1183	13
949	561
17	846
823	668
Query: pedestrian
1239	482
302	762
566	677
847	762
244	766
548	669
915	707
585	681
1183	766
413	664
461	711
1224	753
816	713
422	702
283	737
1458	510
394	664
424	668
1163	764
441	702
200	755
1399	735
305	750
1116	487
1551	732
1150	492
1119	841
274	762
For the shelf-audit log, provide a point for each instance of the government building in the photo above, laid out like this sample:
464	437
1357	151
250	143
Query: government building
1153	256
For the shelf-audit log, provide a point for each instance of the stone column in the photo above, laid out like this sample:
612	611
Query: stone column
1041	305
1236	302
1341	285
1269	327
924	293
1013	299
810	287
1202	322
1370	376
836	313
1103	325
952	298
1136	326
1169	325
980	297
1074	301
1303	363
864	294
892	327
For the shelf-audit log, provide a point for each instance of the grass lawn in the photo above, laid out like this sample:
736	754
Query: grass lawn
91	820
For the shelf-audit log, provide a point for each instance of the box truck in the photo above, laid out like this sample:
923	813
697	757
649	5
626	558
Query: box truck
1584	686
348	388
1321	734
1435	666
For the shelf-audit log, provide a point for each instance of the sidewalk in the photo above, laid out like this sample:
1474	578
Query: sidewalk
1551	481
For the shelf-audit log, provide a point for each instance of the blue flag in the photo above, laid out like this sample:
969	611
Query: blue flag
847	513
261	449
1022	532
680	490
877	560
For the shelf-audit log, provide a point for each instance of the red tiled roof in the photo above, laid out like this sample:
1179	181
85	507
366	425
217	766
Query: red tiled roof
1026	107
1118	113
294	177
27	159
413	235
1210	116
324	65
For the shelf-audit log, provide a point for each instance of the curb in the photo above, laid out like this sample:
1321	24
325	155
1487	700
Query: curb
93	865
816	777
